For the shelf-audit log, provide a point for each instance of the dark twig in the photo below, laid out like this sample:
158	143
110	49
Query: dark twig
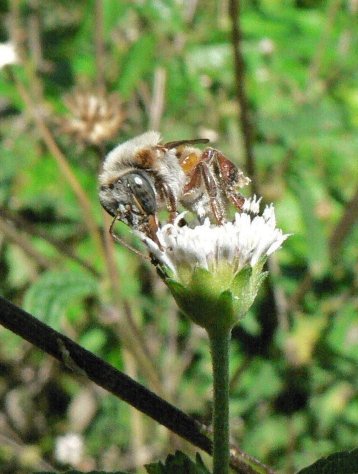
245	116
84	363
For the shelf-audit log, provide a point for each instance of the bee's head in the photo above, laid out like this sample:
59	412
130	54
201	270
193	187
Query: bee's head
130	196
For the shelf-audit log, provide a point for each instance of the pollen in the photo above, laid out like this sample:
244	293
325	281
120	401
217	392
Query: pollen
190	162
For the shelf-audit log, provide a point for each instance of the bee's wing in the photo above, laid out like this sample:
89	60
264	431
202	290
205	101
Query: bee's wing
194	141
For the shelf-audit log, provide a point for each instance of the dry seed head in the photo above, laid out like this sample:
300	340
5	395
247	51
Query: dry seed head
94	117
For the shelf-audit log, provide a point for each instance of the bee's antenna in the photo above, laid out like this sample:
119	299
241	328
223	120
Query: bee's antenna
194	141
122	242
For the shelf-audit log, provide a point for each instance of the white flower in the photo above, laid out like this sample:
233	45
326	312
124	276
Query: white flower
235	244
8	54
215	271
69	449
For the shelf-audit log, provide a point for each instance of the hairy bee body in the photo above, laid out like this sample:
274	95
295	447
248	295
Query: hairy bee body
142	175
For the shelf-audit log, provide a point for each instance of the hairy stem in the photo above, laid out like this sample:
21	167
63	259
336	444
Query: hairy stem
219	345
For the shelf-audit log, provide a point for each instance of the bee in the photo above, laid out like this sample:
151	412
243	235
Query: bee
142	175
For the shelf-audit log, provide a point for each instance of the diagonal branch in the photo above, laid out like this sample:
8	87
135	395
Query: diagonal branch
87	364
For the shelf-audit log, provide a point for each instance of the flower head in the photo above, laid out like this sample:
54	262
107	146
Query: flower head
214	260
234	244
95	117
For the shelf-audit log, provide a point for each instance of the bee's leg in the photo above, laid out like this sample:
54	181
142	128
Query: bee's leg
194	182
232	178
170	201
236	198
213	192
151	229
202	175
118	239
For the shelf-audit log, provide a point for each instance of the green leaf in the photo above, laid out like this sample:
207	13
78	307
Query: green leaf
53	293
138	61
345	462
93	339
178	463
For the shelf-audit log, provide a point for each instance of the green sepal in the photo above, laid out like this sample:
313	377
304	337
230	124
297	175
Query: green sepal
215	301
226	303
203	302
245	287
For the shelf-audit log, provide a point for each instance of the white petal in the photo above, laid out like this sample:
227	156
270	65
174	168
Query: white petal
252	205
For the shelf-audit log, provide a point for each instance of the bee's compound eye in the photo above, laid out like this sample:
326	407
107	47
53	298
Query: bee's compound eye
142	191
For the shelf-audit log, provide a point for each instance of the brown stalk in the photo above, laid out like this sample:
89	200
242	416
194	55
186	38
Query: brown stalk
344	226
87	213
62	162
158	94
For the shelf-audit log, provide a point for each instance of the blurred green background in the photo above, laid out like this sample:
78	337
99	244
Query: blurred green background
93	74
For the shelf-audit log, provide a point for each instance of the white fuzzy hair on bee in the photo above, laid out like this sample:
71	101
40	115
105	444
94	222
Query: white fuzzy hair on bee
122	155
165	164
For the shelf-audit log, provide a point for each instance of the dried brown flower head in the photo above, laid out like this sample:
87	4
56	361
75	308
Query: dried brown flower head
95	117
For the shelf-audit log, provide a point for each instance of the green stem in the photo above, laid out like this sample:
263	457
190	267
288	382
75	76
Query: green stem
219	345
